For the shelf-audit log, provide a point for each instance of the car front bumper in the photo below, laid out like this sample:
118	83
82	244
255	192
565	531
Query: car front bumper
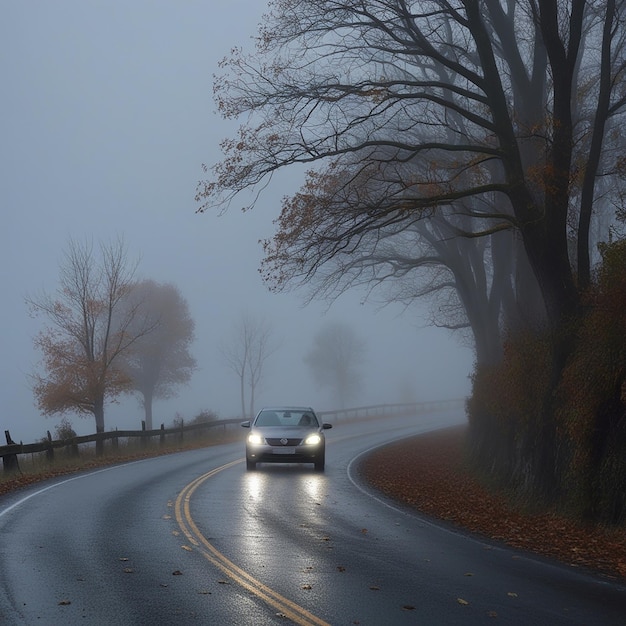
284	454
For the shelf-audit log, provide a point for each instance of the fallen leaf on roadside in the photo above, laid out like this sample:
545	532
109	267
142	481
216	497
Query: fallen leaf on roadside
128	570
374	588
123	558
461	601
64	602
306	587
341	568
187	548
511	594
177	572
408	607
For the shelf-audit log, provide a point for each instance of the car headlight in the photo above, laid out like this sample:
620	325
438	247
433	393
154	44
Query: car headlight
255	439
313	440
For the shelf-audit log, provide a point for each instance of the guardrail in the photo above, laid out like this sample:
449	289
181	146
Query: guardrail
13	450
389	410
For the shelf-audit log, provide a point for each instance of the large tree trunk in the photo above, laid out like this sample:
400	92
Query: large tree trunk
549	259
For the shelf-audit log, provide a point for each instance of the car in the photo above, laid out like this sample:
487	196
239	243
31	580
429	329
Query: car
286	434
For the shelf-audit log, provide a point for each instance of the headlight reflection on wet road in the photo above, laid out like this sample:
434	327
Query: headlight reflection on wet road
253	485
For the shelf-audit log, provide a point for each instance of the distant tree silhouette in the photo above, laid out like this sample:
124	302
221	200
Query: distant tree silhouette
335	360
246	353
159	362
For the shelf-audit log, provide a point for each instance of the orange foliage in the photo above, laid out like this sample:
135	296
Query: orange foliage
73	380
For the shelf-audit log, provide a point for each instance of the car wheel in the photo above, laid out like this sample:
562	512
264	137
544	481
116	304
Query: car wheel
250	465
319	464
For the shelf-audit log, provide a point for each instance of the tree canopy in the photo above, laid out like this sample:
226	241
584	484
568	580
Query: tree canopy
88	330
506	112
160	361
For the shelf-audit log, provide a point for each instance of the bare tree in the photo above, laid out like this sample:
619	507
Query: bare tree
88	331
335	360
159	362
251	345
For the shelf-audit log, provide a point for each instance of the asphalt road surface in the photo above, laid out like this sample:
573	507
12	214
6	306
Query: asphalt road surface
192	538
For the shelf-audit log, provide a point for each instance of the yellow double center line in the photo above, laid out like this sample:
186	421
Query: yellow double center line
283	605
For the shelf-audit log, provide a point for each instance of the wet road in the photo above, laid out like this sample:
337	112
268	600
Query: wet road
193	538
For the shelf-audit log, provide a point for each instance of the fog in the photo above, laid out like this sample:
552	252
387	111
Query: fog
107	117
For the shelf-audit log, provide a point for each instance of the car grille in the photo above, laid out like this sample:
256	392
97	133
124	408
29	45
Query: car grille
279	441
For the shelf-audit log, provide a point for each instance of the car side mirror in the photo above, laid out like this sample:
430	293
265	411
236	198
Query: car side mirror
246	424
327	426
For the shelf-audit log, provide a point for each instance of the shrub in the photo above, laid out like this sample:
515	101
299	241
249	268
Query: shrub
64	430
204	417
592	411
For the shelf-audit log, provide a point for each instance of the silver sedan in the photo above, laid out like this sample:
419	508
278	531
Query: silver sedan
286	435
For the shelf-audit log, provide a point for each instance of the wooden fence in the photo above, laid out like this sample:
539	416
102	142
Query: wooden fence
10	453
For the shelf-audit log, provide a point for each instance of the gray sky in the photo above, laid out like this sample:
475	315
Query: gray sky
107	116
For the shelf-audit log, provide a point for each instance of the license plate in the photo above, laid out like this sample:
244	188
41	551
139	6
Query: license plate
284	450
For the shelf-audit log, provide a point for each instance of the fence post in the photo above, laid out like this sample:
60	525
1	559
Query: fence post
10	461
115	443
74	453
162	435
49	449
182	429
144	441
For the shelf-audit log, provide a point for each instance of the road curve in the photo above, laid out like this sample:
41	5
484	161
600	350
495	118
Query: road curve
192	538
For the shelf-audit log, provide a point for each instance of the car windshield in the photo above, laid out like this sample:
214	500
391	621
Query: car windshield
286	417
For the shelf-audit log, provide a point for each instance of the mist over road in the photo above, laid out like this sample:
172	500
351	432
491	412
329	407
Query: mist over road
192	538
